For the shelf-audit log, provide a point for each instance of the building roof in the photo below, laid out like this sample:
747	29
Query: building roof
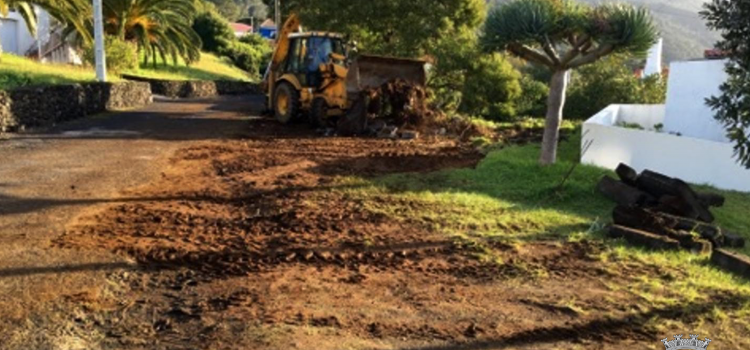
241	27
268	24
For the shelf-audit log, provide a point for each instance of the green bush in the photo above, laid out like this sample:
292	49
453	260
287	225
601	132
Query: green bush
247	57
255	40
610	81
214	31
533	100
491	89
120	54
471	82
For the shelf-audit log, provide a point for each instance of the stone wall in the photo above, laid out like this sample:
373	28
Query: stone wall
197	88
48	105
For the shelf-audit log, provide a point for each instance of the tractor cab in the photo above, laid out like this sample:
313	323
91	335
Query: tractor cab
308	52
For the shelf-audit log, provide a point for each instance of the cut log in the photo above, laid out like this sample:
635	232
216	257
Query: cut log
675	205
621	193
643	238
690	242
627	174
659	186
733	240
711	199
656	184
662	223
737	263
691	199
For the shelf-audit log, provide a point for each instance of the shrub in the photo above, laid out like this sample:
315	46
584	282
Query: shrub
491	89
610	81
533	100
120	54
255	40
213	30
245	56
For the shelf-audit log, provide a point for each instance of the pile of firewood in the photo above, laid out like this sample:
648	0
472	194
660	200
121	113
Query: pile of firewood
662	212
667	210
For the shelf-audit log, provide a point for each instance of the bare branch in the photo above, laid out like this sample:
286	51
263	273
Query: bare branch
581	46
591	57
530	55
549	49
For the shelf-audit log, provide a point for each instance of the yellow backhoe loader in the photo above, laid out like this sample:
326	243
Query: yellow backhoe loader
313	74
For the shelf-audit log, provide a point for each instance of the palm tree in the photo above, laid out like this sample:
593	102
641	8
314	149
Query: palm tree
563	35
157	26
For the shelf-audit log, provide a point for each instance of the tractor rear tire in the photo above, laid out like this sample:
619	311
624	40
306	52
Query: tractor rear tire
319	113
286	104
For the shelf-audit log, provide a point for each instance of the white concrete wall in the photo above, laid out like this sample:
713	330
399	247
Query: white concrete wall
647	116
694	160
690	83
24	40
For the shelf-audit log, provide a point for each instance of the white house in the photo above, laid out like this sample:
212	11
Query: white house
16	38
680	139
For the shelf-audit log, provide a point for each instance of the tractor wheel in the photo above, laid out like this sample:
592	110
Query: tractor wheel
286	104
319	113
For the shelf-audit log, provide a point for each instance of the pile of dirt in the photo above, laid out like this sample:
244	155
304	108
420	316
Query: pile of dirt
401	103
401	109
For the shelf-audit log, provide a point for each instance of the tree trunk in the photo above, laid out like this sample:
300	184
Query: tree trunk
555	104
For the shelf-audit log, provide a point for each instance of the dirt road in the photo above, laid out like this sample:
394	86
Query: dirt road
49	178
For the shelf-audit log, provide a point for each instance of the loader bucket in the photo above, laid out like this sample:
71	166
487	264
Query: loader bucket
373	71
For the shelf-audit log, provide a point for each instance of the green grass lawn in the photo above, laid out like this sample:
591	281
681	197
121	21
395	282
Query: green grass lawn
509	197
16	71
210	67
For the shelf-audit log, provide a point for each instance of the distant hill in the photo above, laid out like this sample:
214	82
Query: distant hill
684	32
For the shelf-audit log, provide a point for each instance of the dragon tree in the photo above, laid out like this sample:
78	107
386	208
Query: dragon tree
562	35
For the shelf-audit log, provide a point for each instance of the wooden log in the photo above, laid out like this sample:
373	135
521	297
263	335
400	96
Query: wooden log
643	238
691	199
662	223
737	263
626	174
711	199
709	232
659	185
621	193
675	205
733	240
689	241
656	184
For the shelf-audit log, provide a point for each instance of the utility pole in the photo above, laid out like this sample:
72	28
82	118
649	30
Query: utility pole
277	4
101	61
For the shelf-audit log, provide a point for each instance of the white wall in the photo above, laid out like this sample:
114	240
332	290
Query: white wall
9	35
694	160
690	83
647	116
24	39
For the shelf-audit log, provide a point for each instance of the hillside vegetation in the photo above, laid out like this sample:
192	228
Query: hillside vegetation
685	33
18	71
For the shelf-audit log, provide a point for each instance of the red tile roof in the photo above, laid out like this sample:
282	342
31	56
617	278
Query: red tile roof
241	27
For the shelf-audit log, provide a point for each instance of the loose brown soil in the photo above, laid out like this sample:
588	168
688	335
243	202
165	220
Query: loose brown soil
247	244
